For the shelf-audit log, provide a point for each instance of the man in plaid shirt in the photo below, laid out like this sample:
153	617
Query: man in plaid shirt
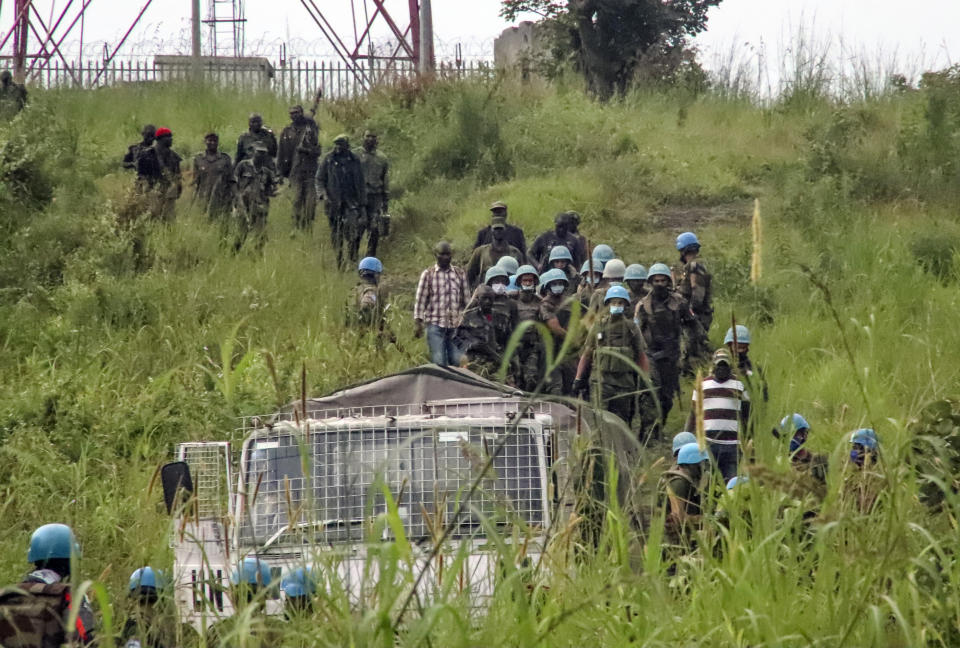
442	296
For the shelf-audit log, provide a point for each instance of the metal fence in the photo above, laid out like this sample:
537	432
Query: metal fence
300	79
325	485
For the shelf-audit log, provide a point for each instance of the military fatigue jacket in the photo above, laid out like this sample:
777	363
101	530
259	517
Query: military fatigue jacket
540	250
485	257
685	288
661	322
159	166
246	141
376	170
299	150
340	179
213	181
617	334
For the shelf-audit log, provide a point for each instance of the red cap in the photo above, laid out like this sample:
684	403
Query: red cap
163	131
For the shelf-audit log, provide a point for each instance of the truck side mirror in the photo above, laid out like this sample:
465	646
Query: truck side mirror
175	476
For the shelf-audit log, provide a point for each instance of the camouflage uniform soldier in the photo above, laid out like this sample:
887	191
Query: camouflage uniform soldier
559	236
340	180
616	342
555	311
504	308
258	133
158	173
376	174
297	161
694	285
486	256
477	336
213	179
530	351
662	315
256	184
149	133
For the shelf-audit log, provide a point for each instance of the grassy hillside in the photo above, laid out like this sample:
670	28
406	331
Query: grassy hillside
105	365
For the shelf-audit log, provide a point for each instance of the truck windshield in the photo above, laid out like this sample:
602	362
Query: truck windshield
327	487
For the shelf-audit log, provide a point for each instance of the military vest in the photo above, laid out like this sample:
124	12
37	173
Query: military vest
32	615
616	338
661	322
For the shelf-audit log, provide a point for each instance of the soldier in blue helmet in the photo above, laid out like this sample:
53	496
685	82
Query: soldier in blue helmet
863	476
614	347
149	624
530	351
36	611
695	285
738	342
795	427
680	488
299	587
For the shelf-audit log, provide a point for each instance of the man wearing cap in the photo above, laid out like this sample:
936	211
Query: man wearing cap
339	180
376	175
513	235
441	298
559	235
148	134
486	256
158	173
297	158
257	133
722	403
213	182
256	184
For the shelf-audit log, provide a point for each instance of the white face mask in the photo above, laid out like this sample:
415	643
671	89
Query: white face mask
527	288
616	310
499	288
557	289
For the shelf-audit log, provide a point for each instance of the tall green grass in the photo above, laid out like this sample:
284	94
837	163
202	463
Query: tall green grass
105	365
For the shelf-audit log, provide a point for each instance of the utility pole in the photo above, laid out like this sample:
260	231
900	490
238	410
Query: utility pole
196	41
427	62
21	14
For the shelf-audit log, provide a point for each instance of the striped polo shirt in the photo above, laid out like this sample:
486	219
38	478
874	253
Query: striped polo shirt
721	409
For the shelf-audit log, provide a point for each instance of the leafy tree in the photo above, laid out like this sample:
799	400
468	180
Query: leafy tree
609	39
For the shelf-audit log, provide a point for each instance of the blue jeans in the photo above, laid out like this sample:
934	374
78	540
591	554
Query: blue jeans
726	459
443	351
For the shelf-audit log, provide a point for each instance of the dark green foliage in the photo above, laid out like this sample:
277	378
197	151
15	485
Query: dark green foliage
935	253
612	39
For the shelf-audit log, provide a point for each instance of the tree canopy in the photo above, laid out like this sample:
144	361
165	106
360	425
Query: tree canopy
609	39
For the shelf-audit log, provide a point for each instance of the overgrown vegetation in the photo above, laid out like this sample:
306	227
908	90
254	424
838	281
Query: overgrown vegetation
106	364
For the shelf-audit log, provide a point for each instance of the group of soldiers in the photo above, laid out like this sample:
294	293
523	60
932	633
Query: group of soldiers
623	334
353	184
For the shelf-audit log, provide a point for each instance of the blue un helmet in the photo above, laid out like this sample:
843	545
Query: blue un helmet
560	253
682	439
635	272
601	254
509	264
739	479
864	441
659	269
299	582
687	239
691	454
525	270
370	264
493	272
616	292
512	284
147	581
556	274
252	572
743	335
800	429
52	542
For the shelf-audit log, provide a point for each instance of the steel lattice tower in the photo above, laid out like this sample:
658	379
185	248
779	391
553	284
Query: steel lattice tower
226	26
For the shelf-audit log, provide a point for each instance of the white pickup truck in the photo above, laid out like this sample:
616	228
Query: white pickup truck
311	483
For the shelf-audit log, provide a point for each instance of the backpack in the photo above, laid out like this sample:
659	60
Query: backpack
32	615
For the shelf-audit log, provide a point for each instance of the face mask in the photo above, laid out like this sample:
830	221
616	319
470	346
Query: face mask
856	457
527	288
499	288
616	310
556	289
660	290
721	372
795	445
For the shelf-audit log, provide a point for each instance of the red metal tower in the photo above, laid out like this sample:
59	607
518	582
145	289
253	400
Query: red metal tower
353	41
27	20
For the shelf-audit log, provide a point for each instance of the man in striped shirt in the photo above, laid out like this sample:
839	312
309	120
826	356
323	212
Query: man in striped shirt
723	397
442	296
